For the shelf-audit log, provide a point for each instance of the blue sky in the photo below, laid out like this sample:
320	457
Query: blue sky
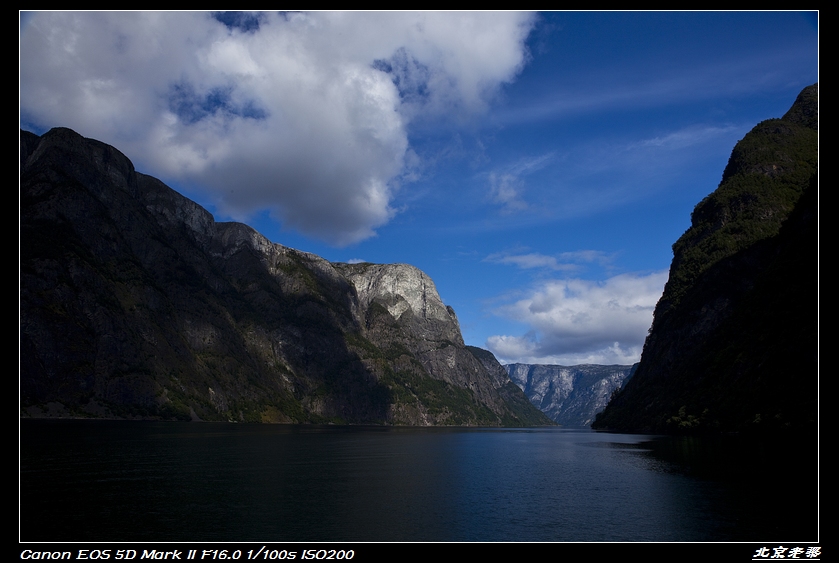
537	166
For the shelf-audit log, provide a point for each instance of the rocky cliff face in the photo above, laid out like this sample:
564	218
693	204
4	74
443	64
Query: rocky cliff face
510	391
734	341
570	395
135	303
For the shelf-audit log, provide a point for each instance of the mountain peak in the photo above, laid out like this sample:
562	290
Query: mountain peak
805	110
733	345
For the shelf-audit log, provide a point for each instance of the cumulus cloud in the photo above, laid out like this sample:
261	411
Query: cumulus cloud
303	114
576	321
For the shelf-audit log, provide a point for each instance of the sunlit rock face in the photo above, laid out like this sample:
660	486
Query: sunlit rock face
404	290
402	310
570	395
135	303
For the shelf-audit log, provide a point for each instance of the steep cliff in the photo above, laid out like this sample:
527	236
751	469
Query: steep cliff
569	395
510	391
734	341
135	303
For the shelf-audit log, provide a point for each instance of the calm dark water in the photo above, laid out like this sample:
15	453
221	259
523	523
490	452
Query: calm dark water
166	481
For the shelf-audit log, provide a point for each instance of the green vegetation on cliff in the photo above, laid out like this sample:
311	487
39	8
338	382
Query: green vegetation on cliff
767	173
733	345
136	304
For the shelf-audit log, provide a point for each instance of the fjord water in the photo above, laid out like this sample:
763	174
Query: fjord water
166	481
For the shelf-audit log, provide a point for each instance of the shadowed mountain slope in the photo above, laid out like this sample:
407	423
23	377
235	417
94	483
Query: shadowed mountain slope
135	303
734	341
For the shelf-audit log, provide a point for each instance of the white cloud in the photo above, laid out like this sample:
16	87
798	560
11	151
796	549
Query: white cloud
531	260
565	261
306	114
506	187
577	321
596	256
505	190
684	138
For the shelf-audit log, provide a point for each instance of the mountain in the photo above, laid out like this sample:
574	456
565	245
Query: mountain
135	303
511	391
734	341
569	395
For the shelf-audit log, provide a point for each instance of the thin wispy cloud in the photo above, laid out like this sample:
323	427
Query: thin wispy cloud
596	176
588	256
564	261
531	261
506	186
506	191
686	137
741	76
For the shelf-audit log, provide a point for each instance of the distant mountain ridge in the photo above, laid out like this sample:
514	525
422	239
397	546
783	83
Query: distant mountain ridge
570	395
734	341
135	303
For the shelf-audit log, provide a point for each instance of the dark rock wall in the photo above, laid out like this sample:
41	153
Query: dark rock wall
734	341
135	303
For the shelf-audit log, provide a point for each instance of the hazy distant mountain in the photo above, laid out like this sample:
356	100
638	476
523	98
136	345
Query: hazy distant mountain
135	303
569	395
734	341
